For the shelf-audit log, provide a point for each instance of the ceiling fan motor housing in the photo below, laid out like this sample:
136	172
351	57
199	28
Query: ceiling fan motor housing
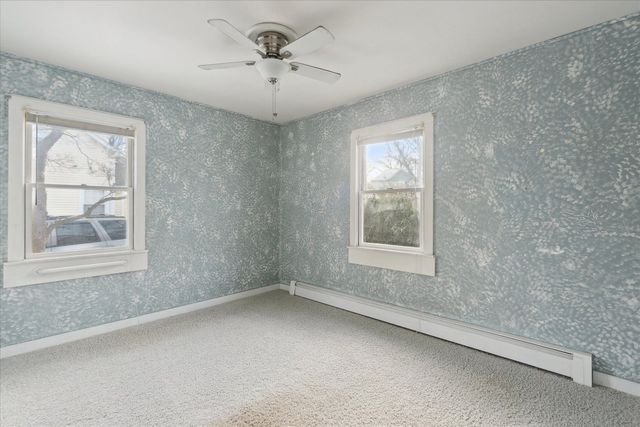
271	42
271	37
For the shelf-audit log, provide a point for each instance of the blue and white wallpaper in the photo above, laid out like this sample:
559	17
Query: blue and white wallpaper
537	195
212	206
537	199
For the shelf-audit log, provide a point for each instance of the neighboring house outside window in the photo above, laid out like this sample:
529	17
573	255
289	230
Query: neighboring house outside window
76	193
392	195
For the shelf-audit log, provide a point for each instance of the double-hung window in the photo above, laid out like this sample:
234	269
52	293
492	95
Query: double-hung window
392	195
76	193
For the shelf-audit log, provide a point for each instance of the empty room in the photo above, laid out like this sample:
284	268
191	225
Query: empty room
319	213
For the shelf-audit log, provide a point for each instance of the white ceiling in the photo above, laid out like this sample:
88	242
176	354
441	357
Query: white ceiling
379	44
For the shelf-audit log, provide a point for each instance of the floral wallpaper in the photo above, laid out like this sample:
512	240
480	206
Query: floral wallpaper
537	202
537	195
212	206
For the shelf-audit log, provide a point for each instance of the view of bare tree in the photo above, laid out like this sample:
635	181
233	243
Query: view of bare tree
403	154
392	217
41	229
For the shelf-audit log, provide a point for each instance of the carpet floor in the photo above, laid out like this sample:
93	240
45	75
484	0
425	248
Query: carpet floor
275	359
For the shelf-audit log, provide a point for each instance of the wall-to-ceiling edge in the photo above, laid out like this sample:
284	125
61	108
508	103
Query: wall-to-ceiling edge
519	221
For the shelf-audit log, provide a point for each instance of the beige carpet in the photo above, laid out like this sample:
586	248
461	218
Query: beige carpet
275	359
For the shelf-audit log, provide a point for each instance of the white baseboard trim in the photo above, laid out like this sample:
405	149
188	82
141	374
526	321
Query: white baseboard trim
39	344
437	326
561	360
616	383
406	318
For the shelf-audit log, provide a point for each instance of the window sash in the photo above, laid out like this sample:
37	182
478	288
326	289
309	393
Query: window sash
76	124
394	136
362	155
29	155
29	185
362	172
79	186
392	190
363	243
28	220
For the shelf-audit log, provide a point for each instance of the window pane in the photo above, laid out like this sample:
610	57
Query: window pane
91	197
62	155
395	162
115	228
392	218
69	219
75	233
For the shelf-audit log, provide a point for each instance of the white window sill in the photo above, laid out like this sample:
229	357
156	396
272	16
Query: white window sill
393	260
54	269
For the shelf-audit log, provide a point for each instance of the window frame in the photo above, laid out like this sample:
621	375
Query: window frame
419	260
22	268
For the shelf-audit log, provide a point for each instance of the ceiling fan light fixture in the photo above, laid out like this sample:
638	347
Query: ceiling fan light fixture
272	70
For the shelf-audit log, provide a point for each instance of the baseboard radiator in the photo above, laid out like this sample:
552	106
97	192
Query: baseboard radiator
574	364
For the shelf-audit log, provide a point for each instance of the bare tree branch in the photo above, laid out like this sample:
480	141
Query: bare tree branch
400	155
85	214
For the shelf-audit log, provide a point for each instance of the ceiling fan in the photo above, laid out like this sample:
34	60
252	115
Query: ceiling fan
276	44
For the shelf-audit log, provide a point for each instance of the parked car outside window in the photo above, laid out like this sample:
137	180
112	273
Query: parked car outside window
87	233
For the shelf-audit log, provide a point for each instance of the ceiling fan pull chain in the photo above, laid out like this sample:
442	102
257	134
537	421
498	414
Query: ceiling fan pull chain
274	109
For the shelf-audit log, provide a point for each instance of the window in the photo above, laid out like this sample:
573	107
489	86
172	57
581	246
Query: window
76	193
115	229
392	195
91	197
75	234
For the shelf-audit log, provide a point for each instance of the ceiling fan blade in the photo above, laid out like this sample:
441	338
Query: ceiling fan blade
223	65
307	43
234	33
316	73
